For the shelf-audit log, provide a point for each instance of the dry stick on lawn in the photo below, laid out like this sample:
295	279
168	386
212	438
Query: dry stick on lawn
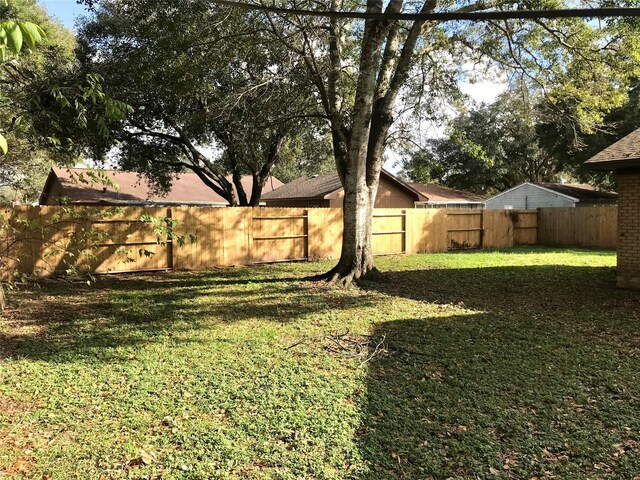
345	344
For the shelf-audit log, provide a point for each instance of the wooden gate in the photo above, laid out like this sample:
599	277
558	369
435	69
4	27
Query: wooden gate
279	237
525	227
464	230
389	232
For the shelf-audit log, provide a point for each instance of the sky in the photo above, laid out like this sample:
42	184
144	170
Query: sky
65	10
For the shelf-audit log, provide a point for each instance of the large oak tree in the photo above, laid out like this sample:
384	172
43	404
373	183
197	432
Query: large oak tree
367	72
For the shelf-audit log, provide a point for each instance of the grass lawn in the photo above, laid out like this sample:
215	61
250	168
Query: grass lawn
515	364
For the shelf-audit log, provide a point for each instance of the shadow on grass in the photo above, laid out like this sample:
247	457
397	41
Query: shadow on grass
465	397
537	377
108	321
511	372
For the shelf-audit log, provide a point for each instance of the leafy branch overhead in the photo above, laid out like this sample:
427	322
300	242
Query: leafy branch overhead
50	109
13	34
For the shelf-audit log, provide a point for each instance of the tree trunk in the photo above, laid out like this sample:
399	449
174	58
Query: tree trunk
240	193
356	257
359	148
256	190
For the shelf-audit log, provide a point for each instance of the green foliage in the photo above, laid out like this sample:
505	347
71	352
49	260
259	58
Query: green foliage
14	33
303	155
49	108
497	364
27	157
164	228
211	91
488	148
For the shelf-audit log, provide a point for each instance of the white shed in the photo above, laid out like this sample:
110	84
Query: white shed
550	195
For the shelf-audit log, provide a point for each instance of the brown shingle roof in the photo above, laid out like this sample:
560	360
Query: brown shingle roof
581	191
187	188
439	194
319	186
306	187
624	153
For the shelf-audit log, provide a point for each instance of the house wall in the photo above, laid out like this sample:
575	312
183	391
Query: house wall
528	197
390	195
629	229
54	193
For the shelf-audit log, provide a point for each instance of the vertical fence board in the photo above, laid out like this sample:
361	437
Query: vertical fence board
389	234
464	229
325	233
525	229
498	228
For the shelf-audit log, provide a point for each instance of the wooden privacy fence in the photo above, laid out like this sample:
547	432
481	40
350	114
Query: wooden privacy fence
586	227
46	240
239	236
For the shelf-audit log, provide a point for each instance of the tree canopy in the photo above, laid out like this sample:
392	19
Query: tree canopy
489	148
211	92
49	108
27	54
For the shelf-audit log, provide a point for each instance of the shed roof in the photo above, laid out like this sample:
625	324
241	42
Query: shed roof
186	188
625	153
439	194
306	187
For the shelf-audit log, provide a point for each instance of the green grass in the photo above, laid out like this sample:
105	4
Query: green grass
518	364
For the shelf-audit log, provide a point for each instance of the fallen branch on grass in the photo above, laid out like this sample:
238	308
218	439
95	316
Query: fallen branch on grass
364	347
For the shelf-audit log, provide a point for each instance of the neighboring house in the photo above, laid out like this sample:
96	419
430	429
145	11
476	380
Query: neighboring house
550	195
326	191
443	197
62	185
624	157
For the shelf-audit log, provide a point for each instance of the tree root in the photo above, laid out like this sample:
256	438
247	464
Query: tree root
343	278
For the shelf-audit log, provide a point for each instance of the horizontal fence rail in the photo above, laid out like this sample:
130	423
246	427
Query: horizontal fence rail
43	240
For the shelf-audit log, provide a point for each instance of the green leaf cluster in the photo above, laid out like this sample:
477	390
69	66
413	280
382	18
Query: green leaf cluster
13	34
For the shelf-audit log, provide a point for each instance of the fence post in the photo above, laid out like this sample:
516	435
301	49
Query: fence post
306	232
169	240
250	234
404	231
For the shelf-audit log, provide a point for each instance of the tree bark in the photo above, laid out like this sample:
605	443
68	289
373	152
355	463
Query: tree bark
356	256
383	68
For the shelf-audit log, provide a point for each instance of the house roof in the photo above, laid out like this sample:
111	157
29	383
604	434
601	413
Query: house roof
578	192
622	154
324	186
186	188
581	192
439	194
306	187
